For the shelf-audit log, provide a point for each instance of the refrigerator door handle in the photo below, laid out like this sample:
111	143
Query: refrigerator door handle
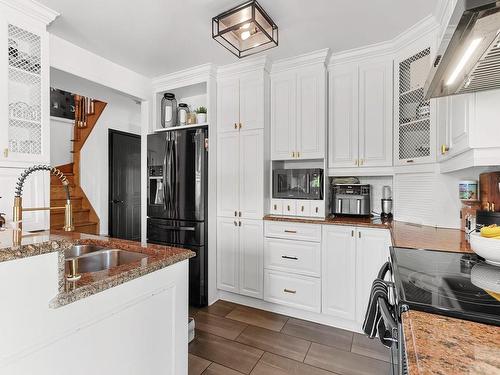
165	190
174	160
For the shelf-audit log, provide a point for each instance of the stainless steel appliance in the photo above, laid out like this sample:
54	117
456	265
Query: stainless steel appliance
177	200
386	202
298	183
350	199
467	59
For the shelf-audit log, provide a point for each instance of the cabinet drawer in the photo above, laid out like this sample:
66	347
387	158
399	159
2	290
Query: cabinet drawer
303	208
296	291
293	231
276	207
292	256
317	209
289	207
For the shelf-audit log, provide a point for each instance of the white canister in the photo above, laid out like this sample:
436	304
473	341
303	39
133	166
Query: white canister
467	190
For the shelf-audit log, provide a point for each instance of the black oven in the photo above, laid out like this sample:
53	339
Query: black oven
298	183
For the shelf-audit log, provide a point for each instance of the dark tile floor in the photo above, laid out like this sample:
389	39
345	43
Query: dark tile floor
233	339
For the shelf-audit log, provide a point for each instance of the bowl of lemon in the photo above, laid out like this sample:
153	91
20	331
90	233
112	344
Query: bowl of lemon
486	244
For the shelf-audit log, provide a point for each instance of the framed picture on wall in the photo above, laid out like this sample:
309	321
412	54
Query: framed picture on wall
62	104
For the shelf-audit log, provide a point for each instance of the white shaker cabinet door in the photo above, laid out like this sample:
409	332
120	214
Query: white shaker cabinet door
228	106
252	102
375	113
311	114
251	172
343	116
228	254
228	174
251	245
459	122
339	272
283	116
371	253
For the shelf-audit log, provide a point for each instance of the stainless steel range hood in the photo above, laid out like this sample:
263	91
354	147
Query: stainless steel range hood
468	59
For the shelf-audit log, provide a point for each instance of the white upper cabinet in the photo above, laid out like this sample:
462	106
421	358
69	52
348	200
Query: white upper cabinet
375	113
241	119
228	105
343	111
228	174
453	117
311	113
251	93
360	108
298	107
283	116
251	175
24	93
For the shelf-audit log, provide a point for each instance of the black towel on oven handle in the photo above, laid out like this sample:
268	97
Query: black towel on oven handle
372	317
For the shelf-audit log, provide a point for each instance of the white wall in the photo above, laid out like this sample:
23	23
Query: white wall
61	134
122	113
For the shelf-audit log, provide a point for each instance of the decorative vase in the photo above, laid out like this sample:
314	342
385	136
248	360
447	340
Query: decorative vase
201	118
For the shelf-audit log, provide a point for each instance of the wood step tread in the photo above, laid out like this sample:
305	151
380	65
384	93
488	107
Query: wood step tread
75	211
77	224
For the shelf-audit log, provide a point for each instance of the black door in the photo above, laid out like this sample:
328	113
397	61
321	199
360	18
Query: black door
124	185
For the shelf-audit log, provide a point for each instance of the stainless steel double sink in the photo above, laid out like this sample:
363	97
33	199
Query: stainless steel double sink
92	258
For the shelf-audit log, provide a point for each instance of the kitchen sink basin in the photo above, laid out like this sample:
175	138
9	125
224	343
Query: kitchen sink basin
103	259
79	250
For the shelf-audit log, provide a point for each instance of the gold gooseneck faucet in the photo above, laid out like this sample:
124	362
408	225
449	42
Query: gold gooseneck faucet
18	206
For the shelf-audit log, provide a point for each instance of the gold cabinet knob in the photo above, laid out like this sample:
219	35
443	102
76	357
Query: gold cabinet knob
444	149
240	126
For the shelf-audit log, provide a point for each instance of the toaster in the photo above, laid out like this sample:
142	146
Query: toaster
350	199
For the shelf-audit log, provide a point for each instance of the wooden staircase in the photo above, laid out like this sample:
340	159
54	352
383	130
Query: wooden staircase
85	218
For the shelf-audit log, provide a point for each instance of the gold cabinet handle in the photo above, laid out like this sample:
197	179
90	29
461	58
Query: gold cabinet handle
293	154
239	223
239	213
302	209
289	291
6	152
298	154
235	213
359	234
356	162
317	209
235	125
352	233
275	207
290	231
240	126
288	207
235	223
361	161
444	149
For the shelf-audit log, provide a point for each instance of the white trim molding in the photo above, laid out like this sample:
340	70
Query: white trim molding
260	63
185	77
32	9
306	59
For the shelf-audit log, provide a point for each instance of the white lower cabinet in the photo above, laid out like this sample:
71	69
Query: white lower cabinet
292	265
338	263
240	256
292	290
351	259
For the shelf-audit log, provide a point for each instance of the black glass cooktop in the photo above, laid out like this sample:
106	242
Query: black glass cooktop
454	284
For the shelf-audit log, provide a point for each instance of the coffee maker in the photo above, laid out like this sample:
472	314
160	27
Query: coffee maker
386	202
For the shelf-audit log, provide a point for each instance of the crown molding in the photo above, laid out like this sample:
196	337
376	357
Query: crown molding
260	63
306	59
390	47
185	77
32	9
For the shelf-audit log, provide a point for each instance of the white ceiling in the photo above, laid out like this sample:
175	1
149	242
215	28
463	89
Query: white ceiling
155	37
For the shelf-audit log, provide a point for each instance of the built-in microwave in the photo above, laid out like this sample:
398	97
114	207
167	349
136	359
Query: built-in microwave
298	183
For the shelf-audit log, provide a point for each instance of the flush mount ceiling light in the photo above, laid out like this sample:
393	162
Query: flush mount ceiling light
245	30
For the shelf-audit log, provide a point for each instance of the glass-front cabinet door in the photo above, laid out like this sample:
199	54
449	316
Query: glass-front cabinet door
24	133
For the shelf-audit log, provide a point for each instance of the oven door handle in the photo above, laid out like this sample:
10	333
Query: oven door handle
389	323
383	271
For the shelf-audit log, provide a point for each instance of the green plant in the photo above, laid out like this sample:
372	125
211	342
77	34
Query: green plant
201	110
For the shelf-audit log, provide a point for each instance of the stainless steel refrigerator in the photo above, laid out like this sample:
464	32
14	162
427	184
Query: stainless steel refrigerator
177	199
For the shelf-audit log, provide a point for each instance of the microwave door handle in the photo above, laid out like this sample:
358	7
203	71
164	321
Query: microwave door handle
358	206
308	183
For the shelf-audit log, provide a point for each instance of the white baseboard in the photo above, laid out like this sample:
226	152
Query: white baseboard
295	313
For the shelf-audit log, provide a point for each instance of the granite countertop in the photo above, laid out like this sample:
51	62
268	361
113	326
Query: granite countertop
409	235
438	344
90	283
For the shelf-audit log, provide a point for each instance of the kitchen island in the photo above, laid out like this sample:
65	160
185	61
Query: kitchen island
127	319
